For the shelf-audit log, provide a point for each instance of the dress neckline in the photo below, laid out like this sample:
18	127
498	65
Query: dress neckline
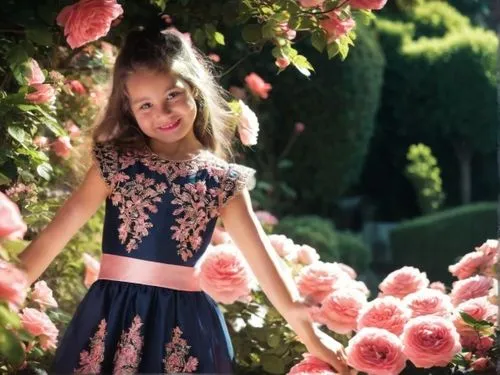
166	160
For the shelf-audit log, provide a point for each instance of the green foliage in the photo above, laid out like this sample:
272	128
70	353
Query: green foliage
354	252
313	231
435	241
425	176
337	105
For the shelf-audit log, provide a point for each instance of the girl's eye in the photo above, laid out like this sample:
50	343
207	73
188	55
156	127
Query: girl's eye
145	106
173	95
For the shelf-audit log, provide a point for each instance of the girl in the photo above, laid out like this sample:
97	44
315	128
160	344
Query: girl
159	166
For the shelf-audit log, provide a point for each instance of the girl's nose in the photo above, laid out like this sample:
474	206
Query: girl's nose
167	107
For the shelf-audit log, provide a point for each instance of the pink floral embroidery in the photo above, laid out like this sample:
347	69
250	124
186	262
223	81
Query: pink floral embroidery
128	354
177	350
90	362
134	198
197	206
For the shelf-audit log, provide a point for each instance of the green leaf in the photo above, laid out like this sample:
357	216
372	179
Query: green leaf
332	50
51	123
44	170
272	364
40	35
343	49
285	163
159	3
10	347
18	134
9	318
294	22
303	65
273	340
318	40
251	33
268	30
219	38
4	180
478	324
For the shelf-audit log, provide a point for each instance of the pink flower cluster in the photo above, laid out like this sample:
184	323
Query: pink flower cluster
40	93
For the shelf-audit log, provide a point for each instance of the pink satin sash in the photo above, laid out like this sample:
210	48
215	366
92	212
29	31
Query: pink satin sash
131	270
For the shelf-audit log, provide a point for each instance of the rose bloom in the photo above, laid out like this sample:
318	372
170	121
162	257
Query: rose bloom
429	302
238	92
283	245
299	127
62	147
12	225
472	287
43	94
367	4
349	270
224	274
384	312
73	129
403	281
306	254
13	283
282	62
317	280
476	262
340	309
481	364
311	365
87	20
41	141
257	85
42	295
348	283
77	87
214	57
248	127
311	3
266	218
335	26
376	351
92	268
33	73
438	285
430	341
39	324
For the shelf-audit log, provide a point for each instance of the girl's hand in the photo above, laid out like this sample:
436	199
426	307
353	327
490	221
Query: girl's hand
330	351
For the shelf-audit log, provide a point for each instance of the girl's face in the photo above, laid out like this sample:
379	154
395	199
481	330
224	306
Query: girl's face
163	106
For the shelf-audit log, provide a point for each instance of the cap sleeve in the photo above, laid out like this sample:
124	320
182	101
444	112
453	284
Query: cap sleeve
106	157
236	178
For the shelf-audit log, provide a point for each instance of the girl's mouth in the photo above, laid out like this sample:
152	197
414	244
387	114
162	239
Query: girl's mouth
170	125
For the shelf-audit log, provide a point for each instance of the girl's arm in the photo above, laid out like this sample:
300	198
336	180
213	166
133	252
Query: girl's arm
248	235
73	214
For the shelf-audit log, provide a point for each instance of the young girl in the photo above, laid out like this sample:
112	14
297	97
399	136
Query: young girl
159	165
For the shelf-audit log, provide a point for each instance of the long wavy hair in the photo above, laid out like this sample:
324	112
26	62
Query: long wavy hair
168	52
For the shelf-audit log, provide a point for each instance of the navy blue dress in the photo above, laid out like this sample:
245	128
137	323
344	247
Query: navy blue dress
161	213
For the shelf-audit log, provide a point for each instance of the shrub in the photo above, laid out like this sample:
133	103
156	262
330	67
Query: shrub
433	242
354	252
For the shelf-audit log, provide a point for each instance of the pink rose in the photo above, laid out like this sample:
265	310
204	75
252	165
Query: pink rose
39	324
257	85
77	87
349	270
286	32
220	236
282	62
33	73
403	281
266	218
44	93
42	295
430	341
348	283
472	287
306	255
12	225
367	4
429	302
386	313
339	310
311	3
317	280
72	128
224	274
376	352
92	267
88	20
299	127
214	57
311	365
62	147
489	247
13	283
481	364
41	141
238	92
248	127
472	263
438	285
335	26
283	245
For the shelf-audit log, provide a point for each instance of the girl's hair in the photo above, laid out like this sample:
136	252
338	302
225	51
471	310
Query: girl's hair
166	51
